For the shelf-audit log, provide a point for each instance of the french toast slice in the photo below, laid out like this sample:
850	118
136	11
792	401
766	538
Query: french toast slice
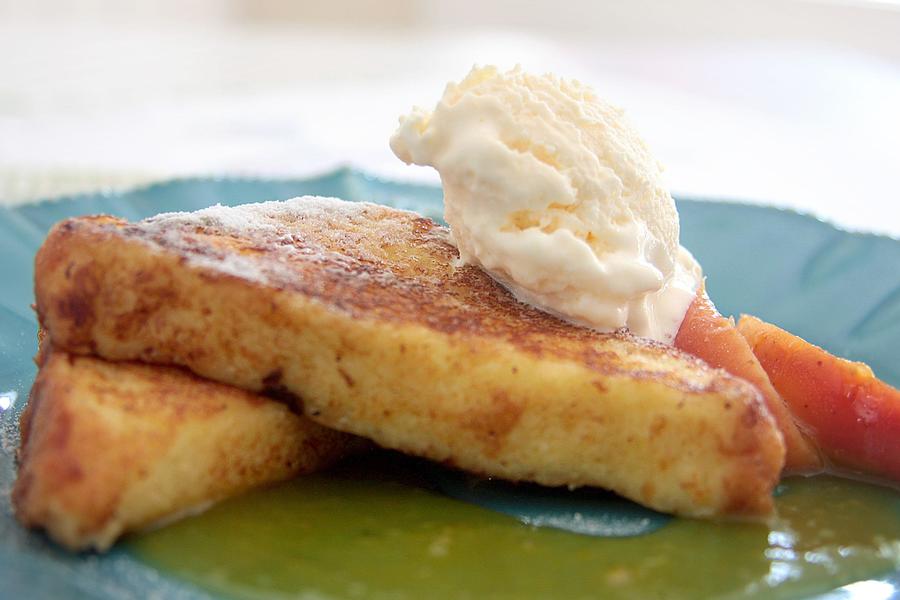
108	448
362	314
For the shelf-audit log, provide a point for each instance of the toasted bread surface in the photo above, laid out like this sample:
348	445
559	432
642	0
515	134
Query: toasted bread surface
113	447
361	314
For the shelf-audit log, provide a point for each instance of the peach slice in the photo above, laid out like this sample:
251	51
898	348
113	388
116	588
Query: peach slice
713	338
853	416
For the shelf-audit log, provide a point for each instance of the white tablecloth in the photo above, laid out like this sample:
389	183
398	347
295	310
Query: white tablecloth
809	127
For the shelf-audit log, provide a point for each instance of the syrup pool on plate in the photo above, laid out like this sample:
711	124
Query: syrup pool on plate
376	528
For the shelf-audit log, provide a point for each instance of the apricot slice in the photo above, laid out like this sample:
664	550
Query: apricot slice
852	416
708	335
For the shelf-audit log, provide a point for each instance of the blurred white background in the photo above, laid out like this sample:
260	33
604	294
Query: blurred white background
788	102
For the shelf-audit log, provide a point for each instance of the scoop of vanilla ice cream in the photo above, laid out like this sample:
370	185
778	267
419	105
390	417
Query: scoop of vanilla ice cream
549	189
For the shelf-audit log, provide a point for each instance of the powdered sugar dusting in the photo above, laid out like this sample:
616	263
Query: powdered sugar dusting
276	228
250	220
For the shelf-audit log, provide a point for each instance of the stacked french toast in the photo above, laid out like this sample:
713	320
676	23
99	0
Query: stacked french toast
192	356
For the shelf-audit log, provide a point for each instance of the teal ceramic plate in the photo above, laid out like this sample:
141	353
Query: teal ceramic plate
837	289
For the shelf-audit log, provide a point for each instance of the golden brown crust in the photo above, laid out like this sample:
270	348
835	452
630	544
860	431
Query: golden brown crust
361	314
112	447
